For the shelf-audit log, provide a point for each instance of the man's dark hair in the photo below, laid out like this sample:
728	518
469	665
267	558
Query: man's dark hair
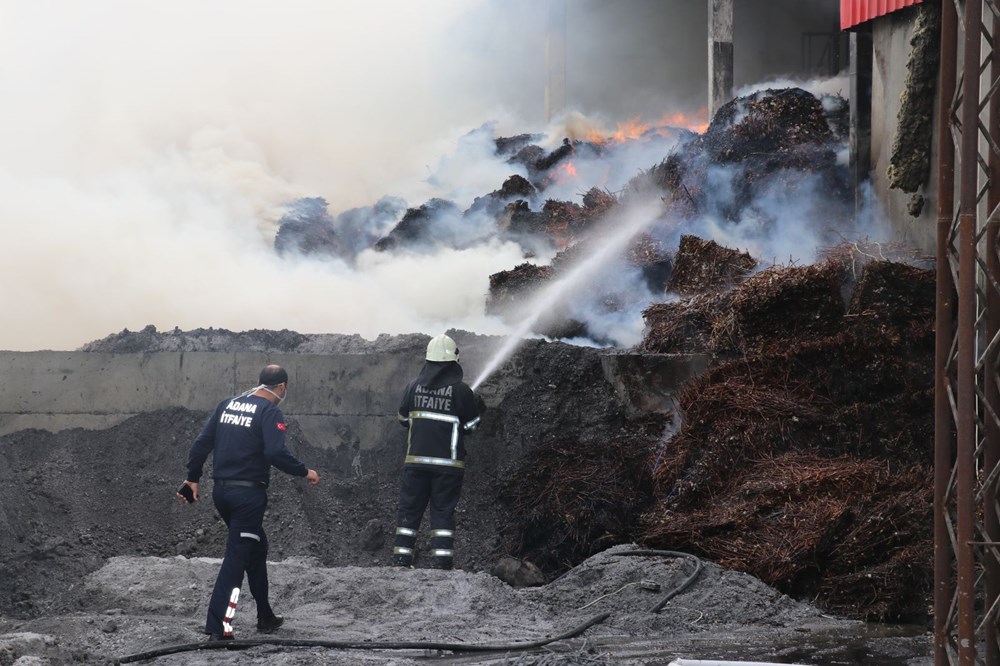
273	375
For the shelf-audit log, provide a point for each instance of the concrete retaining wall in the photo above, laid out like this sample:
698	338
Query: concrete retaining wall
59	390
337	399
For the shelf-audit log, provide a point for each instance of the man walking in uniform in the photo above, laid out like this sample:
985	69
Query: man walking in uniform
438	408
246	436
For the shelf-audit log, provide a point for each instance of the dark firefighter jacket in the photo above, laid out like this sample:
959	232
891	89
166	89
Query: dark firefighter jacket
439	409
246	435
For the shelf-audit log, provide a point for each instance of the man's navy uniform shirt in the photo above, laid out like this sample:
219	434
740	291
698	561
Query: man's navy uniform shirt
247	435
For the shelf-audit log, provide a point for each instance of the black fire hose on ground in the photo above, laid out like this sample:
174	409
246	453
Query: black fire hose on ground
362	645
685	584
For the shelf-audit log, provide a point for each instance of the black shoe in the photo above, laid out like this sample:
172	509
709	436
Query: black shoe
267	625
444	563
212	638
402	561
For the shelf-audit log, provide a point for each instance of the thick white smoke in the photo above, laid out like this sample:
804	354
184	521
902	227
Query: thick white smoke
149	150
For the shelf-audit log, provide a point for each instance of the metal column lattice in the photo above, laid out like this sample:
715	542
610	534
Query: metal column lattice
967	397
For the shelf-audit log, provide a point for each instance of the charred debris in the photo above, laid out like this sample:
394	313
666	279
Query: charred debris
803	456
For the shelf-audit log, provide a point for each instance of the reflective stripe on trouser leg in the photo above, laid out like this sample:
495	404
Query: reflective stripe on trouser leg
227	621
443	544
402	546
442	548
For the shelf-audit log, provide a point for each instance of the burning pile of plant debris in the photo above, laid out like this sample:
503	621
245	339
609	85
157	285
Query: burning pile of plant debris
805	454
802	456
772	141
767	139
701	265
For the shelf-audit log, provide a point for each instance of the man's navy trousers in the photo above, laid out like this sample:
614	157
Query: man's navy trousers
242	508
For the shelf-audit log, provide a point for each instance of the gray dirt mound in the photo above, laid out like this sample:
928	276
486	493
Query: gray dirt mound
259	340
134	604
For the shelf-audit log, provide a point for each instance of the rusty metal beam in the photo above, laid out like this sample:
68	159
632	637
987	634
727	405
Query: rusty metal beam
944	314
991	392
967	315
967	353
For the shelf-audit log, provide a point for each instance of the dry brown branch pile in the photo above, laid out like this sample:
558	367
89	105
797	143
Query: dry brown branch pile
647	251
562	218
683	326
848	530
567	223
781	304
511	291
704	265
574	499
510	288
805	458
768	122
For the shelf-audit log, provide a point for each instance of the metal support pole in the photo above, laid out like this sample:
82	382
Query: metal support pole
966	521
944	314
967	312
991	394
861	113
555	61
720	54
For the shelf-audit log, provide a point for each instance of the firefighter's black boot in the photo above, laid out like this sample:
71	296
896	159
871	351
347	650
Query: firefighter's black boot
438	562
402	560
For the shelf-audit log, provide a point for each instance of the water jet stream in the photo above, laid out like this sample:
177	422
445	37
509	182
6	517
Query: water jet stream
635	219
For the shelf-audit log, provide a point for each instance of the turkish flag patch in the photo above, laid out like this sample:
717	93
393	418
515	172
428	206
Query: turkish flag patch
282	427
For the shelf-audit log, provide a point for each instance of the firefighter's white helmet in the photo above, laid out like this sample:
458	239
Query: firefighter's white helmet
442	348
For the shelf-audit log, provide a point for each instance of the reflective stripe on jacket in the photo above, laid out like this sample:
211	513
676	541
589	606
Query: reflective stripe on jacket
438	408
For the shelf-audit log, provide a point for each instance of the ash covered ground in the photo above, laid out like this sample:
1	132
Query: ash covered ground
102	563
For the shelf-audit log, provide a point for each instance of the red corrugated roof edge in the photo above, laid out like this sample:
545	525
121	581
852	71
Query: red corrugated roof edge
853	12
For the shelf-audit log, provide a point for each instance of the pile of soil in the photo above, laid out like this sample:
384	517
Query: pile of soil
256	340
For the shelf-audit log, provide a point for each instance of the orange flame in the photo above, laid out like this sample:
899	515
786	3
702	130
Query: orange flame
696	123
635	128
564	173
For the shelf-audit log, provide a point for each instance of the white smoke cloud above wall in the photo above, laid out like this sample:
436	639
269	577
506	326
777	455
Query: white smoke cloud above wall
149	150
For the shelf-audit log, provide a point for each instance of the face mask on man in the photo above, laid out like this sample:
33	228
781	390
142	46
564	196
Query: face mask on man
279	397
263	387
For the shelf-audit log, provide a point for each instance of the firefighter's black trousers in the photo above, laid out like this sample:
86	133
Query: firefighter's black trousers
419	488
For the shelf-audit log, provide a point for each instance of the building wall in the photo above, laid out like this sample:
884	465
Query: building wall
891	44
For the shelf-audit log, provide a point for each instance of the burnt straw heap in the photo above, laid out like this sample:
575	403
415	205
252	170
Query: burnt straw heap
802	455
